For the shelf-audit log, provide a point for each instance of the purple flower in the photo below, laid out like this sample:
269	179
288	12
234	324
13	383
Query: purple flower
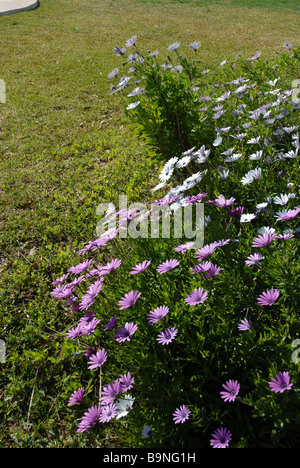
167	266
201	267
181	414
60	280
237	212
198	296
62	291
124	333
166	336
110	391
157	314
174	46
184	247
115	263
80	267
74	332
263	239
286	216
244	325
98	359
268	297
89	327
285	236
194	45
126	382
140	267
108	412
206	251
232	388
212	271
253	259
89	419
220	438
129	299
111	323
77	397
222	202
280	384
92	292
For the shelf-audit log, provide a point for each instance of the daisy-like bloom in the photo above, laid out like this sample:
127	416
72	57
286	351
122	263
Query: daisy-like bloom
77	397
107	413
60	280
75	332
89	419
264	239
184	247
237	212
124	333
206	251
80	267
181	414
92	292
167	266
111	323
194	45
285	236
212	271
124	405
198	296
90	326
129	299
244	325
232	388
287	215
109	392
157	314
220	438
280	384
113	265
174	46
147	432
251	175
98	359
166	336
202	267
126	382
253	259
268	297
221	201
247	217
62	291
140	267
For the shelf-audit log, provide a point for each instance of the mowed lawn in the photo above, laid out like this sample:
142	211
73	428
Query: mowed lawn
65	148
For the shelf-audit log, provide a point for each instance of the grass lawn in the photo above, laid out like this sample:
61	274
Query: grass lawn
64	149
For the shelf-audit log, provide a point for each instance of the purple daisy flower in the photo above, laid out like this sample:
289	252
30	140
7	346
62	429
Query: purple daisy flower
109	392
220	438
157	314
90	326
166	336
237	212
181	414
253	259
89	419
80	267
108	412
286	216
206	251
129	299
113	265
184	247
98	359
232	388
124	333
201	267
212	271
92	292
126	382
75	332
167	266
140	267
111	323
244	325
268	297
62	291
280	384
77	397
198	296
263	239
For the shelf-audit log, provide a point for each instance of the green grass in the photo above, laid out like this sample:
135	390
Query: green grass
65	148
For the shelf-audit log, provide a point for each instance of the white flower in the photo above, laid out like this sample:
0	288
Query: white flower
124	405
256	156
234	157
133	105
246	218
183	161
282	199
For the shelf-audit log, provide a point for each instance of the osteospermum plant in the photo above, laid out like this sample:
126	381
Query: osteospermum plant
172	323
